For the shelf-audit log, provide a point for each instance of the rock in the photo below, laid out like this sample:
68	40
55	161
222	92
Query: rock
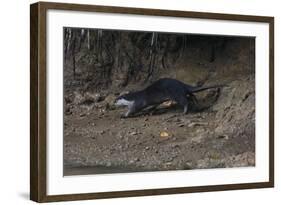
95	97
168	103
82	115
68	111
194	124
132	161
200	130
109	100
108	164
187	165
67	99
177	120
78	98
123	93
164	134
176	146
197	139
223	137
168	164
210	163
241	160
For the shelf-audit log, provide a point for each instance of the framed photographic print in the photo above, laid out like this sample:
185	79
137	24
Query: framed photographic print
134	102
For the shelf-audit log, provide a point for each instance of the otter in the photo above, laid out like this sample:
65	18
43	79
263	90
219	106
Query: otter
158	92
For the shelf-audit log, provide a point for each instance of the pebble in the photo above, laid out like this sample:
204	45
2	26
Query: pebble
193	124
176	146
108	164
188	165
223	137
82	115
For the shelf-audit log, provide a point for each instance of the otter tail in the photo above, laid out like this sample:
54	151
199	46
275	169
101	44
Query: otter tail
199	89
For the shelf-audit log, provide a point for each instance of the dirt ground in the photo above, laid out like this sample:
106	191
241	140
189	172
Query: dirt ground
218	132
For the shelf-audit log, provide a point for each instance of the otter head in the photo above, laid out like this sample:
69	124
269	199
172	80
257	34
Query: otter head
123	101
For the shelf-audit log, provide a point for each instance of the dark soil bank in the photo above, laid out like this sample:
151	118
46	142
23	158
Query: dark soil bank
218	132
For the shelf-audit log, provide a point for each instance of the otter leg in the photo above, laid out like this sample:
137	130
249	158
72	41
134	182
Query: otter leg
185	109
151	109
194	99
129	112
182	100
132	109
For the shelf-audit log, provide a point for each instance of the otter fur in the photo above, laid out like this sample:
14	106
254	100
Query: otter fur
158	92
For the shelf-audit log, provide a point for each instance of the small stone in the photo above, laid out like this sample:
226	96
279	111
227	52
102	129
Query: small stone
82	115
223	137
197	139
194	124
199	130
168	164
95	97
146	148
108	164
123	93
110	100
78	98
188	165
176	146
164	134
